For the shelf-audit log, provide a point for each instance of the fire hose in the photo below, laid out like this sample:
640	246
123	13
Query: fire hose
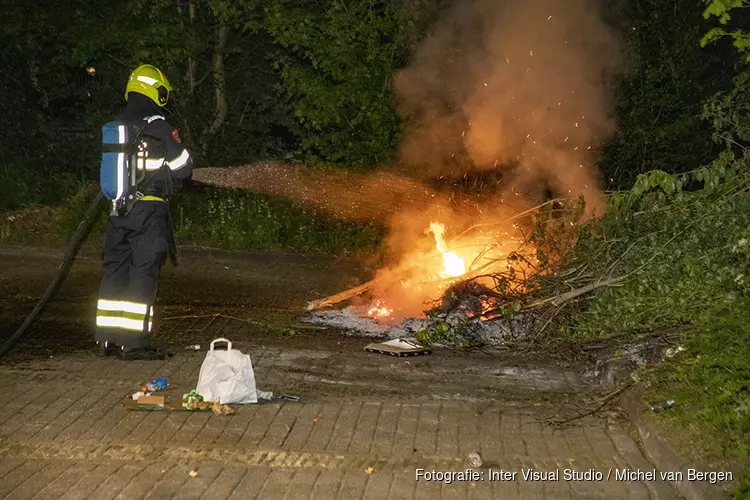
62	272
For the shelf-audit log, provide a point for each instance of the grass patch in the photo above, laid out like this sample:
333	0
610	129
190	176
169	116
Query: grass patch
710	382
232	220
33	226
25	183
243	220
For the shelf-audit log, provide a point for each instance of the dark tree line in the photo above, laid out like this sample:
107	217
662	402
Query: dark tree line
301	81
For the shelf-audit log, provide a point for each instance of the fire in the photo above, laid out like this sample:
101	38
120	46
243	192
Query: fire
429	276
378	310
453	265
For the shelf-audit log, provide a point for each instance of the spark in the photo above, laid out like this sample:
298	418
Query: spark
566	139
550	17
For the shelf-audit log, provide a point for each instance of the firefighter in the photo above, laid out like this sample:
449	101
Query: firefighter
136	243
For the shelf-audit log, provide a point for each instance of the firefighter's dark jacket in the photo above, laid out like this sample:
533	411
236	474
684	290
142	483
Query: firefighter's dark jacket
161	142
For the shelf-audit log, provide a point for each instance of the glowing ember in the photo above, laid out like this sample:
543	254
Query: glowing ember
453	265
378	310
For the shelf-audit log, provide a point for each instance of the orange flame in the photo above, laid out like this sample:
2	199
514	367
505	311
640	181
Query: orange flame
453	265
430	277
378	310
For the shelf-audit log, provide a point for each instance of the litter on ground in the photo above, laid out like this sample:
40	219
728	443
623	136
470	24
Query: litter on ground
226	377
397	347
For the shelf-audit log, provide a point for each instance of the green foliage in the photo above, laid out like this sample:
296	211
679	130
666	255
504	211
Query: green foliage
236	220
742	492
335	63
685	257
240	220
44	154
68	219
437	333
710	379
682	244
297	78
659	101
729	114
24	183
674	248
722	10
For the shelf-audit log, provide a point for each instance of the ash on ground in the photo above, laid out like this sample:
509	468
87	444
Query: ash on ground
463	315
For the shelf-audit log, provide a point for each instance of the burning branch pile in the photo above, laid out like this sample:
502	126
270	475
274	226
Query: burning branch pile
484	285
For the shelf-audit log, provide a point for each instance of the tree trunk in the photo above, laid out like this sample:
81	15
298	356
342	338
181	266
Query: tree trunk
220	96
185	98
191	62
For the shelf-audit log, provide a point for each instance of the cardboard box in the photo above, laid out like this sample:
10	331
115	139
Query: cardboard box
151	400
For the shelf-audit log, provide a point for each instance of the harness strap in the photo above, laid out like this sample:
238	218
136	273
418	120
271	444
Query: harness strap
119	148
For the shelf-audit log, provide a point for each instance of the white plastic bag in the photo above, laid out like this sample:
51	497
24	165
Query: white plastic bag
227	376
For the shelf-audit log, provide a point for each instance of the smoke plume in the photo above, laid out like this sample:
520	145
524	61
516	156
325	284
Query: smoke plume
522	86
520	89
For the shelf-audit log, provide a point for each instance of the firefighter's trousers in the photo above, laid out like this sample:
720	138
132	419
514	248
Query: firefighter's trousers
134	249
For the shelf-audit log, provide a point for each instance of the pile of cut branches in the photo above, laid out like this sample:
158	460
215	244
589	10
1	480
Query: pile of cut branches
536	281
541	278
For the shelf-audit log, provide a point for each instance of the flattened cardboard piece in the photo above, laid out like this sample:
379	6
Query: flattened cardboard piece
397	347
167	406
151	400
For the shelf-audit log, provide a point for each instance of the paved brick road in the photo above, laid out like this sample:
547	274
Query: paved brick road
62	439
65	432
